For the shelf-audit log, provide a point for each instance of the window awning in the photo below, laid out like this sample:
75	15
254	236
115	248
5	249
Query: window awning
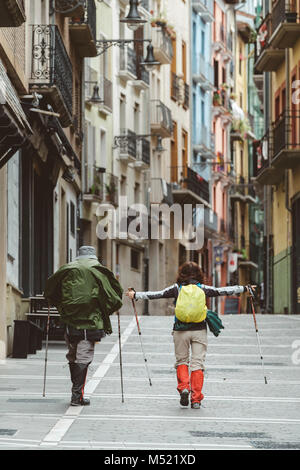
14	126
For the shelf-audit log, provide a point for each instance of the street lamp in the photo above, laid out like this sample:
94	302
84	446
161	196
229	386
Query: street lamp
104	44
133	19
150	60
95	99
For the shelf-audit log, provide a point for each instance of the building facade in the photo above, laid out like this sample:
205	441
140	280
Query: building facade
277	154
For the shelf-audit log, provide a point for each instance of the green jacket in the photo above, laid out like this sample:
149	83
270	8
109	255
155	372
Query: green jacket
85	293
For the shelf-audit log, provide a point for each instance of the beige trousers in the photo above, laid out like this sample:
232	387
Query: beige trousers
194	340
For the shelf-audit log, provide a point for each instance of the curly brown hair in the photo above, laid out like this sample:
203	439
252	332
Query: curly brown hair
188	271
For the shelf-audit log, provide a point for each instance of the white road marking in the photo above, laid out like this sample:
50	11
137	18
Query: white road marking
123	445
154	397
198	418
62	426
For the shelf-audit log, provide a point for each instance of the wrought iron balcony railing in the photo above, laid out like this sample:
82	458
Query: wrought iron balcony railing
204	8
203	139
161	119
128	63
145	144
186	100
175	86
286	132
284	11
127	144
88	17
69	7
210	220
202	70
141	72
83	30
162	45
94	182
189	179
106	92
51	69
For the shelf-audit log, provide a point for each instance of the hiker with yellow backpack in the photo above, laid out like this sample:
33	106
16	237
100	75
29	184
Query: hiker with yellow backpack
190	326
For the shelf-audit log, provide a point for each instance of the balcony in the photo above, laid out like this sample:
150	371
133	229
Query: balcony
161	119
203	141
204	8
83	30
70	8
186	95
142	161
240	191
162	45
285	24
51	70
210	221
160	192
268	57
145	4
112	189
203	72
12	13
265	173
106	95
190	187
128	64
142	81
126	143
175	86
94	186
221	106
279	150
286	140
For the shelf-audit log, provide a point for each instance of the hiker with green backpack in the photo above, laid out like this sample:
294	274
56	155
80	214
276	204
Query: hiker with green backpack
190	326
85	293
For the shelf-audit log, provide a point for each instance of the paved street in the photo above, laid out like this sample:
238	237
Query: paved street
239	410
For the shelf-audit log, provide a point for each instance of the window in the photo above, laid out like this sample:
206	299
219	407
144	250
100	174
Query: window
216	73
174	154
103	148
135	259
184	61
137	190
184	148
72	218
202	42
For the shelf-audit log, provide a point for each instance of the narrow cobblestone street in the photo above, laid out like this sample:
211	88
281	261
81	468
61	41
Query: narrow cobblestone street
239	411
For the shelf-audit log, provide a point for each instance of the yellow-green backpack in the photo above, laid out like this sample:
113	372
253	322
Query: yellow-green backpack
191	304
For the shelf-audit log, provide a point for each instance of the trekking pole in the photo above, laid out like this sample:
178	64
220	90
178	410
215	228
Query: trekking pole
120	354
46	353
140	336
256	329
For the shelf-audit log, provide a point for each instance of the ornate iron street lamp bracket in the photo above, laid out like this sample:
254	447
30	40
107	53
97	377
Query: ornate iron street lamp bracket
104	44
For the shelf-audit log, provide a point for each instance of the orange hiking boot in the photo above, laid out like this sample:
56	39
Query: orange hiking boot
183	381
197	379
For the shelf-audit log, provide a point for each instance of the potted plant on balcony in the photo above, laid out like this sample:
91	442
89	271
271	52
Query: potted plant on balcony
110	191
217	98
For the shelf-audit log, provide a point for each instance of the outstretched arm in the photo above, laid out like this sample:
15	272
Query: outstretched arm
166	293
211	291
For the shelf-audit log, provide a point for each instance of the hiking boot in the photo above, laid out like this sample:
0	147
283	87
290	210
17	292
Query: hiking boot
184	397
80	401
196	405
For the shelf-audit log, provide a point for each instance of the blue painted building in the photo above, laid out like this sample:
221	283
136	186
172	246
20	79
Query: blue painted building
202	86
